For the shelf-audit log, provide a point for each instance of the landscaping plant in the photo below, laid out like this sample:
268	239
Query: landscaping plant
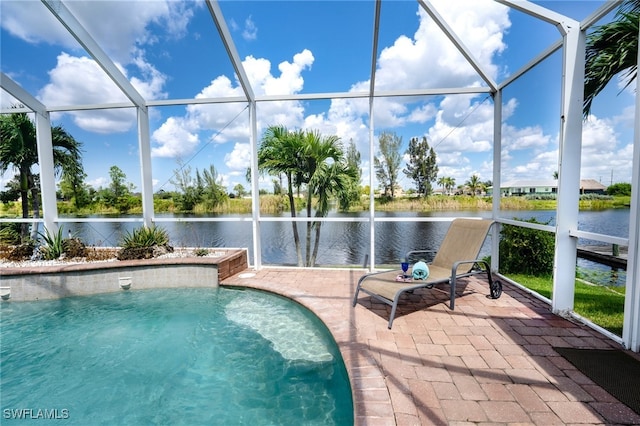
144	243
526	251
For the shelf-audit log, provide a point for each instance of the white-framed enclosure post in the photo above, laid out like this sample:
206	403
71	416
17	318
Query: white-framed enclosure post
631	325
47	172
146	177
570	147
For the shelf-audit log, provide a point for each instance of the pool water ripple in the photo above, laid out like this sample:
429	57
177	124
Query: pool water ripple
172	357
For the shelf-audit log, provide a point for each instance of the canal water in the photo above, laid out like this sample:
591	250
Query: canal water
343	243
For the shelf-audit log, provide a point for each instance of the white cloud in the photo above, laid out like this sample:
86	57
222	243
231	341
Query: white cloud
100	182
429	59
460	124
65	88
457	128
250	31
116	26
151	85
602	157
230	121
123	30
173	139
95	88
239	158
32	22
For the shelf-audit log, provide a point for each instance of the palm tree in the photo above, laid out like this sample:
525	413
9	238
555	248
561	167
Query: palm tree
612	48
279	153
450	184
447	184
443	183
474	184
331	179
326	174
19	149
309	159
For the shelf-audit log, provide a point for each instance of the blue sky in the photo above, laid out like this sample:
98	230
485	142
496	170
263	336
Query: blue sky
171	50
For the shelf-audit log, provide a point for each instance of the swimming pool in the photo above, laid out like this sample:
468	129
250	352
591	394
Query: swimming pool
171	356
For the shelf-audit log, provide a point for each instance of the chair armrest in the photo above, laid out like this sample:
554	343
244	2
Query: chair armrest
454	268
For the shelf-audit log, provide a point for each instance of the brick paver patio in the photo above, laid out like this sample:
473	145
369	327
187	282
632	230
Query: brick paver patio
489	362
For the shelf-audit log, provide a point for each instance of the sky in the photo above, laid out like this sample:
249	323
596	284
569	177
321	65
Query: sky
172	50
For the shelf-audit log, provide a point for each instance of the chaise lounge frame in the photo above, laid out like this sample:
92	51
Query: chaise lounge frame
456	258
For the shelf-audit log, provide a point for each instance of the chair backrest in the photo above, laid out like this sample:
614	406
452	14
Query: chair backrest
462	241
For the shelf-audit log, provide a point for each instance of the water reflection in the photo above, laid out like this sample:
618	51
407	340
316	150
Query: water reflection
342	243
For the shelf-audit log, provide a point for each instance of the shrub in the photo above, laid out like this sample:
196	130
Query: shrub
73	247
146	237
144	243
526	251
541	196
53	244
21	252
619	189
10	233
200	252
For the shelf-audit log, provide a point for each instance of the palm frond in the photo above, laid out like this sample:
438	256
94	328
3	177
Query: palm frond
612	49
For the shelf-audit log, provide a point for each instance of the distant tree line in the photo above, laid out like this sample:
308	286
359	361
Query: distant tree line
421	168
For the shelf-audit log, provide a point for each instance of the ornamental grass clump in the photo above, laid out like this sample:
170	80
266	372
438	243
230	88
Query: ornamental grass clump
57	247
144	243
53	244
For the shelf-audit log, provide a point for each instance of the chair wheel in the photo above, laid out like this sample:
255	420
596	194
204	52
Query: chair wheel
495	289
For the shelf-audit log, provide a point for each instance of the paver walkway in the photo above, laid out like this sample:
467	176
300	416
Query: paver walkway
489	362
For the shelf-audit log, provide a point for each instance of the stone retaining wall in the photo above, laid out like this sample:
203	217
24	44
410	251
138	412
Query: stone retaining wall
53	282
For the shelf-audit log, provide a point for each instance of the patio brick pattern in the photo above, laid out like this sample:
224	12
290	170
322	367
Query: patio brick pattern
488	362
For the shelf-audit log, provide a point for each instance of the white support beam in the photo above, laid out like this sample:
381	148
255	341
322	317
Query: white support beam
75	28
45	150
532	63
372	204
277	98
227	40
18	92
603	10
535	10
458	43
47	174
497	170
372	80
570	147
374	47
631	327
255	187
146	177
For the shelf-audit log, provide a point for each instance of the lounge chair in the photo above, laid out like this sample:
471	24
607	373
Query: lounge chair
456	258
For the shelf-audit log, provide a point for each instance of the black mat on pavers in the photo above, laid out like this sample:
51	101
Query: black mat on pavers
615	371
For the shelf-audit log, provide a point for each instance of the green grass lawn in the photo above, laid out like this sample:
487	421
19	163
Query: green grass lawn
600	304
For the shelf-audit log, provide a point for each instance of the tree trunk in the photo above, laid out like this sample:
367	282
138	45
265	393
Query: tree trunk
294	224
36	211
308	248
24	199
316	243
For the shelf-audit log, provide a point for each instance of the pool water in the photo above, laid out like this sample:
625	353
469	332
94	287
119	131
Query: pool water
173	356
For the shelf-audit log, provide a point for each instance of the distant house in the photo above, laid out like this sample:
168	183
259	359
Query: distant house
528	187
542	187
592	186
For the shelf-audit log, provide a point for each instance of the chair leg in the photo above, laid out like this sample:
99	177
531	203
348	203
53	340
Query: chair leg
355	297
393	312
452	294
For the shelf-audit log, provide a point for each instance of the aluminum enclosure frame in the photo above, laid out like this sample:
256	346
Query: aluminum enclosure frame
571	42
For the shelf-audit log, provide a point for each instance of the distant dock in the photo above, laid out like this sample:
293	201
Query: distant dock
611	255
